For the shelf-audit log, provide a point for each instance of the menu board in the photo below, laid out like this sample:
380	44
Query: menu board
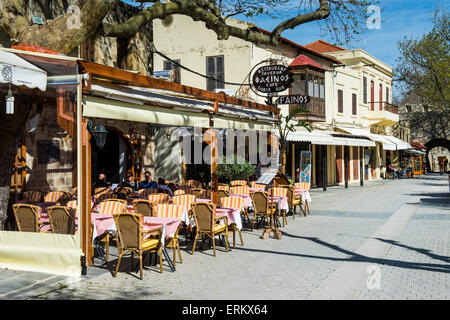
305	167
266	177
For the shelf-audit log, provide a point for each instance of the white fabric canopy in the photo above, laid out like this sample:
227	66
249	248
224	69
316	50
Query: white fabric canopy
20	72
315	136
401	145
384	140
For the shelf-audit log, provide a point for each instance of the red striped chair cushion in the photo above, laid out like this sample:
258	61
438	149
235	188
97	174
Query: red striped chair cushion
233	202
111	207
169	211
240	190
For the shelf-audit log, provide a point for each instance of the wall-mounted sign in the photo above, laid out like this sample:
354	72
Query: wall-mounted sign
272	78
293	99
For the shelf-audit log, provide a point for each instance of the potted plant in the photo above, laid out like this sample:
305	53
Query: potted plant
234	168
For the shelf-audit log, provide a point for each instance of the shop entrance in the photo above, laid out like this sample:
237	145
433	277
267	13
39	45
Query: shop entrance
111	159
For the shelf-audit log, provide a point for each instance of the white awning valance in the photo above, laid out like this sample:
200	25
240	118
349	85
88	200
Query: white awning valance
20	72
120	110
401	145
315	137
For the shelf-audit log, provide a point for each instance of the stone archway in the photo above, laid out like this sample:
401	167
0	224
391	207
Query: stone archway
437	142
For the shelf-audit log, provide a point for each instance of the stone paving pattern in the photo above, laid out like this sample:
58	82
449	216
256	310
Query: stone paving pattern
416	265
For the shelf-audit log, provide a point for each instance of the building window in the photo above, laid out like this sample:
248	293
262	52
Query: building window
372	95
175	65
354	104
381	96
215	73
340	101
364	90
387	95
408	108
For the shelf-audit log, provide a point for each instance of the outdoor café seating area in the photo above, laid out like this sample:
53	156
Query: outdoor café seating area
168	220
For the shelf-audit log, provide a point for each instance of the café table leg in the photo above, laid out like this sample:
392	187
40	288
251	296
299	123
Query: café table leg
166	255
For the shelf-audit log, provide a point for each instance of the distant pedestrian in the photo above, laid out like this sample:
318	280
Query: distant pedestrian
441	166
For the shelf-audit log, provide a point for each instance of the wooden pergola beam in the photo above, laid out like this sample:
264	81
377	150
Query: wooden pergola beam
129	78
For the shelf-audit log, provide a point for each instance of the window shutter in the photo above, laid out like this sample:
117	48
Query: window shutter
340	101
354	104
364	89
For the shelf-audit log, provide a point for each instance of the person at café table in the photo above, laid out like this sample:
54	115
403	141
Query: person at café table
130	183
101	181
148	183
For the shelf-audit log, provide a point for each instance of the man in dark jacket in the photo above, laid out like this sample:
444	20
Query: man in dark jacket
148	183
130	183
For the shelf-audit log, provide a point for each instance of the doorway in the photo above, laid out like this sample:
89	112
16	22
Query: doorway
111	159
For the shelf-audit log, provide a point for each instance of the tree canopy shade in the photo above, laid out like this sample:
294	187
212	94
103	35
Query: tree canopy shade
344	19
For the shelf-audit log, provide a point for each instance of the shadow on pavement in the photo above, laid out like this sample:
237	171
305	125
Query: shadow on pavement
422	251
354	257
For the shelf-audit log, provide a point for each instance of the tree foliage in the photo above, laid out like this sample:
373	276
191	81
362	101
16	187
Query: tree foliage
423	66
423	73
234	168
344	19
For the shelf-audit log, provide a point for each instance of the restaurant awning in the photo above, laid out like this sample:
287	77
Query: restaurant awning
354	142
20	72
315	136
386	143
108	108
170	108
401	145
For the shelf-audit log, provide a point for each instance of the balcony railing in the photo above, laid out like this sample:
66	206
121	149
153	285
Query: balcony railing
390	107
316	108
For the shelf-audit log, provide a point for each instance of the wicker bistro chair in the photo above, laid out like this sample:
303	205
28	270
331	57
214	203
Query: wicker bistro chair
207	224
194	183
27	217
240	190
187	200
235	203
144	207
259	186
62	219
98	198
159	198
293	201
171	211
223	186
280	192
145	193
32	196
236	183
57	196
131	239
199	192
262	206
303	186
222	194
110	206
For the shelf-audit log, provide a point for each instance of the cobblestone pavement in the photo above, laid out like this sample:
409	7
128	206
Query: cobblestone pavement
386	240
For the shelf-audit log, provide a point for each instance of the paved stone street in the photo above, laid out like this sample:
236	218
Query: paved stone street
386	240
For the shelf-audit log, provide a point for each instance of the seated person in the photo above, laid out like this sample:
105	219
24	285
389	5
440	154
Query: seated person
130	183
101	181
163	186
390	168
148	183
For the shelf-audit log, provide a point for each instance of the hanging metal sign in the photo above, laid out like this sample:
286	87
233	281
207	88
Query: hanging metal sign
272	78
293	99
